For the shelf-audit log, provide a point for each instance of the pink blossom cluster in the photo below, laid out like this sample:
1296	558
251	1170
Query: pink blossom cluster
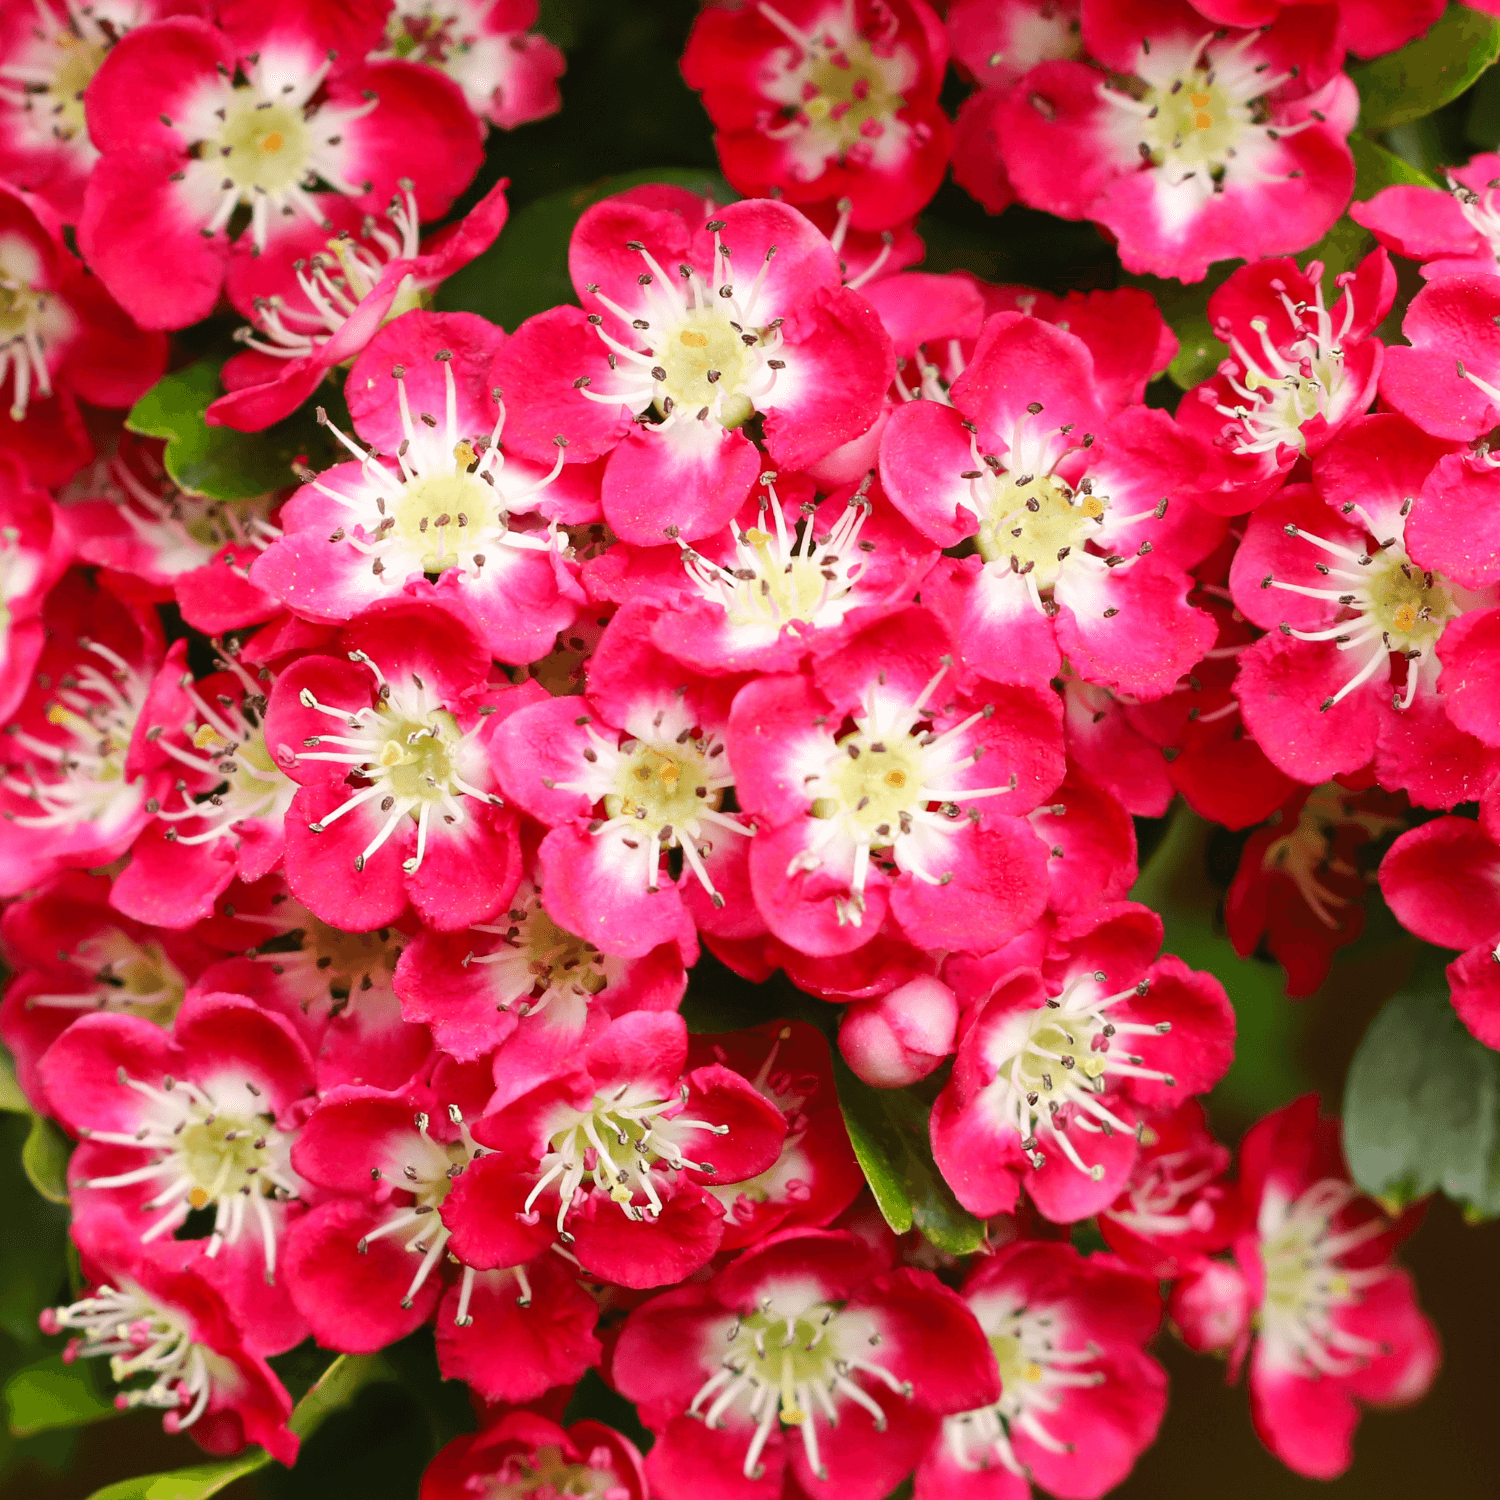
772	598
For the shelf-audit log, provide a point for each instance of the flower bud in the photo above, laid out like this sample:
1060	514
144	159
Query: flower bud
902	1036
1211	1307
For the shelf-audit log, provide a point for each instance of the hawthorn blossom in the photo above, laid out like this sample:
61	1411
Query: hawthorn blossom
152	1316
507	70
826	99
1043	1091
1187	143
691	326
195	121
387	745
1080	1398
528	1455
894	814
432	496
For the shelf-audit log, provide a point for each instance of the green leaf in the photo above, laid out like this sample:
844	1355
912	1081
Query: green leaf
45	1159
889	1132
1422	1103
336	1388
197	1482
52	1394
218	462
1428	73
526	270
12	1100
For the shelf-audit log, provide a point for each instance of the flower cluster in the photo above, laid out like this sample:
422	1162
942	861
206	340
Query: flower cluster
770	607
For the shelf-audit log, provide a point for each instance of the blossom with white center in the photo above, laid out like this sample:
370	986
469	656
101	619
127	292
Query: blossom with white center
408	749
230	759
508	77
1048	1078
265	143
425	1168
877	788
786	1362
662	788
1036	1376
703	356
538	965
1281	388
1387	603
646	1131
1200	116
133	976
80	778
1033	520
32	318
444	506
336	280
1307	1283
183	531
141	1337
217	1149
839	89
780	574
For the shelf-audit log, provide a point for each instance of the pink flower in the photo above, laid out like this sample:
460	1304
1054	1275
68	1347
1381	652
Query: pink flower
805	1358
224	817
616	1150
445	501
891	815
367	1266
816	1176
1226	143
151	1314
779	580
160	543
201	1117
1337	1323
1177	1207
1456	230
184	145
1065	528
75	747
527	991
622	776
821	100
1043	1090
49	53
526	1455
65	338
688	331
1299	885
316	300
1297	373
71	955
1080	1398
388	745
1358	580
508	72
334	987
1441	880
